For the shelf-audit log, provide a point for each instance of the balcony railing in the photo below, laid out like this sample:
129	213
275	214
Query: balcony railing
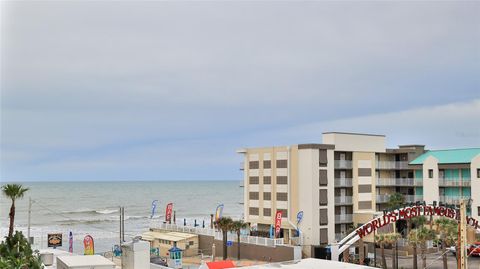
418	182
343	200
395	181
392	165
454	182
344	218
343	182
384	198
453	199
343	164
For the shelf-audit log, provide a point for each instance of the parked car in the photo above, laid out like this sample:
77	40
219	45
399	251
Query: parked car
474	250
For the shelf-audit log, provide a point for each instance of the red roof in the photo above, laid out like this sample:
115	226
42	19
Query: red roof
220	265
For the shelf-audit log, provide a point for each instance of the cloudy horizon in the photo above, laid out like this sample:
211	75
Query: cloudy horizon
128	90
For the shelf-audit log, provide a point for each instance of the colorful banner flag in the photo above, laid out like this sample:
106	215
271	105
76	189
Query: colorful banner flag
70	242
88	245
278	223
154	207
219	212
168	212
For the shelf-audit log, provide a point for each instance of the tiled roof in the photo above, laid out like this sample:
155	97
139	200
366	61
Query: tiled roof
449	156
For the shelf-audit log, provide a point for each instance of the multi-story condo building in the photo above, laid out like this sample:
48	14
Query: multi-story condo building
345	182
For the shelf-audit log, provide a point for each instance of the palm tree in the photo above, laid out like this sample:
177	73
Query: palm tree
14	192
237	227
395	200
225	225
391	239
381	239
423	235
413	241
447	230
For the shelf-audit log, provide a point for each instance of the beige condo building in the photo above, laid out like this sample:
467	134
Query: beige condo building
339	184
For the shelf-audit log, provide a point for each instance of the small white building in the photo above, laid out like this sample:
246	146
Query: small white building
84	262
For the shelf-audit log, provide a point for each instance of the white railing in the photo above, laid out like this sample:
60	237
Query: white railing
255	240
418	182
343	182
382	198
343	164
344	218
453	199
453	182
410	198
391	165
395	181
343	200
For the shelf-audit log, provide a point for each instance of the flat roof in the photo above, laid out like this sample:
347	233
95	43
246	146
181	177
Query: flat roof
347	133
309	263
171	236
85	260
447	156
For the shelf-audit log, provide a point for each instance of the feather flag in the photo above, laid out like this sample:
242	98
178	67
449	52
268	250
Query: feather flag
70	242
154	207
219	212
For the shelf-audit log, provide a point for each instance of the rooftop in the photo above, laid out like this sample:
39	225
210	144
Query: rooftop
449	156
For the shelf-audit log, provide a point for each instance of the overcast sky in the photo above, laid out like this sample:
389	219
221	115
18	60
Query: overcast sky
168	90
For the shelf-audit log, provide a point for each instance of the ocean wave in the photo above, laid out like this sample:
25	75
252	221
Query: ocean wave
90	211
106	211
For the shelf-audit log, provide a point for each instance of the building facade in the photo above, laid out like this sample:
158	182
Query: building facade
346	181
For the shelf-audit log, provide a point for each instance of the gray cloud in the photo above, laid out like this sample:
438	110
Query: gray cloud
96	83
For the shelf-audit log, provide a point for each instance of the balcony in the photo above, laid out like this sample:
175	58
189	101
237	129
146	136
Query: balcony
395	181
382	198
343	182
344	218
418	182
453	182
343	200
345	164
392	165
453	199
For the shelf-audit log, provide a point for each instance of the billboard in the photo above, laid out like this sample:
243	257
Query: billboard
54	240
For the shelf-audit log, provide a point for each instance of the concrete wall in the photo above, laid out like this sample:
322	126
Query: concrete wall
430	185
475	186
248	251
355	142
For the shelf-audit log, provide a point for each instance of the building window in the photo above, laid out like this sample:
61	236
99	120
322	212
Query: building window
284	213
267	196
323	216
267	212
322	178
322	158
282	196
253	180
253	195
281	163
267	180
323	197
478	172
282	180
253	165
324	236
430	173
267	164
253	211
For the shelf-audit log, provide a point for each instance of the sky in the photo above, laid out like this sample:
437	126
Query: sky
169	90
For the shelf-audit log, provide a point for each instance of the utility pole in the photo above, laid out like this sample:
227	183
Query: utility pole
462	262
29	219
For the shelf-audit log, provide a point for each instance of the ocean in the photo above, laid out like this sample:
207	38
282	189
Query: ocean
93	208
